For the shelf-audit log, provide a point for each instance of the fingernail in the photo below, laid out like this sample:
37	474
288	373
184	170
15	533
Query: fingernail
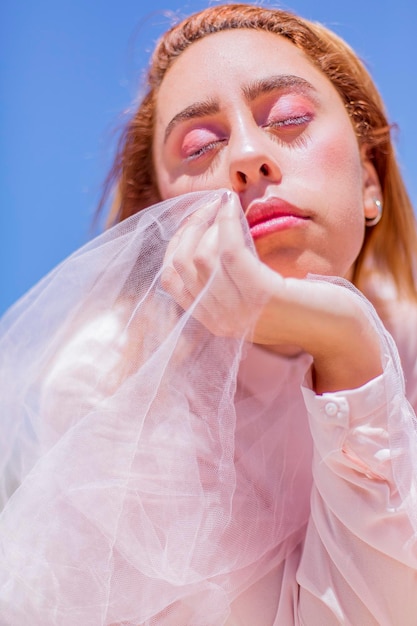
227	195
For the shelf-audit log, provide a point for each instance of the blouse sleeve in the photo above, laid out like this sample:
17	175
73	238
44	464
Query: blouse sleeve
359	562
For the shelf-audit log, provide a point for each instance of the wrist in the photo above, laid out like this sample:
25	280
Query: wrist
350	356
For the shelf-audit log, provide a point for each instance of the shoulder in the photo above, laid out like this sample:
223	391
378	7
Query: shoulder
88	351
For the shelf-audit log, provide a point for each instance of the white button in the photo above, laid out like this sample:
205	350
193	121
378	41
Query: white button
331	409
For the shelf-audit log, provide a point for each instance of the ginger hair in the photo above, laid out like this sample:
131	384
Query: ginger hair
390	247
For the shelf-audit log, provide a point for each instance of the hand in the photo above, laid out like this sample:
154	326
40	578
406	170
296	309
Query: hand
211	269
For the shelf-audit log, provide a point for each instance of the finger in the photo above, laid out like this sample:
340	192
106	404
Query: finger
202	217
172	283
221	304
179	277
207	255
182	249
205	211
230	217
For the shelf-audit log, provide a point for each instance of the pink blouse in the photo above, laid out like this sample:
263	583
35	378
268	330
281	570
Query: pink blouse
356	562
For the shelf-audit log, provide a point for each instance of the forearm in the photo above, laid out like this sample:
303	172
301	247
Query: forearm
331	323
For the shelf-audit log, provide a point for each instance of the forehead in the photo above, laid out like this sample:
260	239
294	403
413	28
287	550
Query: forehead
221	62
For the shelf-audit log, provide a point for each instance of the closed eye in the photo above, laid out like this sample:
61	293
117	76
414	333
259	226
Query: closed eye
208	147
289	122
289	131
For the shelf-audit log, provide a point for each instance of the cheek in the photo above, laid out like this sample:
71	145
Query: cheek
172	181
168	179
331	171
337	157
169	185
166	188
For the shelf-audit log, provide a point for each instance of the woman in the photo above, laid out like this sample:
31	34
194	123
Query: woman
213	426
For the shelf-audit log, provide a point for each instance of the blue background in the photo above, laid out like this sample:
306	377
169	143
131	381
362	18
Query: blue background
70	68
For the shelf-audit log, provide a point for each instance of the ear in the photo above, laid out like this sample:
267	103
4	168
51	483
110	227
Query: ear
371	187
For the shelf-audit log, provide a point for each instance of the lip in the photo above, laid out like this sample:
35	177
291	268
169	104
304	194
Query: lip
272	215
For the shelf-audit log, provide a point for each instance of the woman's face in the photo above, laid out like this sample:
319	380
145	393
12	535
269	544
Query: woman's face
247	111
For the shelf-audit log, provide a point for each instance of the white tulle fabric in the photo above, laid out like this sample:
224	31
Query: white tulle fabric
147	478
140	485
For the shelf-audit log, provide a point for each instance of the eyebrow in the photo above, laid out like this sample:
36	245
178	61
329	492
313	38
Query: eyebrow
197	109
281	82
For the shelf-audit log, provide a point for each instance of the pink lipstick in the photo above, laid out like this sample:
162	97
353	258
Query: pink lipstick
273	215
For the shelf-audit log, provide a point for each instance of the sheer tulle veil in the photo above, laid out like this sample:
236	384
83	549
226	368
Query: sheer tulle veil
130	493
142	482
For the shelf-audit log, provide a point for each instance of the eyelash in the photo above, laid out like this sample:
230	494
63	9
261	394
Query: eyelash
201	151
286	123
291	121
294	123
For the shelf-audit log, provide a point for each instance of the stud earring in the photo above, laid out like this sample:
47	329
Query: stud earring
372	221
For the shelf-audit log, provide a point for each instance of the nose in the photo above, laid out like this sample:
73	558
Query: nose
252	159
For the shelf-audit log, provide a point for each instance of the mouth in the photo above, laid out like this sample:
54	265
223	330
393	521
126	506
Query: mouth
273	215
